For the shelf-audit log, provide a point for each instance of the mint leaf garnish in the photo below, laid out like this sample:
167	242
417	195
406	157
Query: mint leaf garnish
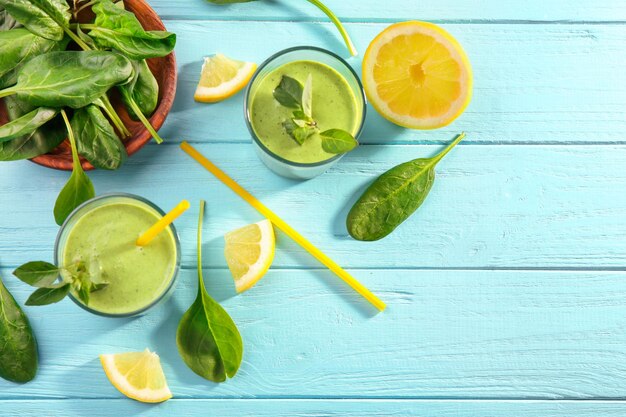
76	276
307	97
337	141
289	92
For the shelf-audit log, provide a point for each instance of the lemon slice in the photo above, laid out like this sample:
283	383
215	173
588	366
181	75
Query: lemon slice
249	252
138	375
222	77
417	75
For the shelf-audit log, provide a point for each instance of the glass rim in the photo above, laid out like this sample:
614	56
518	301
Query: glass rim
150	204
246	108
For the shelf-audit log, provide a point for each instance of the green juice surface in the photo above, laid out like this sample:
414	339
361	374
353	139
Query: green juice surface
105	237
334	107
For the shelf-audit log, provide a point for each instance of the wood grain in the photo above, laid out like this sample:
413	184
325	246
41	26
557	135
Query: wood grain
506	289
445	334
394	10
492	206
314	408
532	83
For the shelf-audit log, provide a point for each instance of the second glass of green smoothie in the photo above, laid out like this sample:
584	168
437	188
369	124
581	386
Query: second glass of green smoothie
102	233
338	103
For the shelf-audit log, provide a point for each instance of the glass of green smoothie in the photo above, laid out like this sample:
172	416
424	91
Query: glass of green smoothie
338	103
102	233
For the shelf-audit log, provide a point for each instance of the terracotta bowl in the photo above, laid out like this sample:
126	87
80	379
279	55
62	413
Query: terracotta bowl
164	70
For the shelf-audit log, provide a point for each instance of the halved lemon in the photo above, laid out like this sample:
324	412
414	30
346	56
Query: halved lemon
222	77
249	253
417	75
138	375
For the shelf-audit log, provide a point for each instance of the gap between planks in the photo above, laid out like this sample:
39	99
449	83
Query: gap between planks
348	20
297	399
465	142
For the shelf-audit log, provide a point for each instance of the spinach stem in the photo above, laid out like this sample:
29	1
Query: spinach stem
115	118
70	134
87	26
337	22
143	119
201	289
107	106
7	92
448	148
76	39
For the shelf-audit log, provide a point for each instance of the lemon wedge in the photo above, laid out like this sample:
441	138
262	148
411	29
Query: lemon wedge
417	75
138	375
249	253
222	77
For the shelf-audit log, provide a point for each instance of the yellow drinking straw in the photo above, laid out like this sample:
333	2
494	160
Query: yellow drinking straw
165	221
278	222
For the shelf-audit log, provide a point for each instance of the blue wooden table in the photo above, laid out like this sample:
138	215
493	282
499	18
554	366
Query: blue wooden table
506	290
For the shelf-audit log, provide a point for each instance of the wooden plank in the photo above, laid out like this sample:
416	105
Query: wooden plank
392	10
491	206
533	83
446	334
313	408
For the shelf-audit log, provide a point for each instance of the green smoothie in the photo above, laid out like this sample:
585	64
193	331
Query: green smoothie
334	107
104	238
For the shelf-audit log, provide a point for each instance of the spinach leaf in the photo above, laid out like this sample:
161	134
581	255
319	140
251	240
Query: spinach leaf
119	29
45	18
7	22
394	196
96	140
37	273
207	338
337	141
130	101
69	78
18	351
38	142
18	46
87	40
143	88
78	188
49	295
27	123
289	92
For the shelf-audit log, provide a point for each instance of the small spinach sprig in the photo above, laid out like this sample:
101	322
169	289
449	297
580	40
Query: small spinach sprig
45	275
292	94
78	188
394	196
207	338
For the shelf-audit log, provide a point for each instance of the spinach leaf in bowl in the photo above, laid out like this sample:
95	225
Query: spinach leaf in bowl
27	123
40	141
17	46
45	18
70	78
7	22
143	89
119	29
96	140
